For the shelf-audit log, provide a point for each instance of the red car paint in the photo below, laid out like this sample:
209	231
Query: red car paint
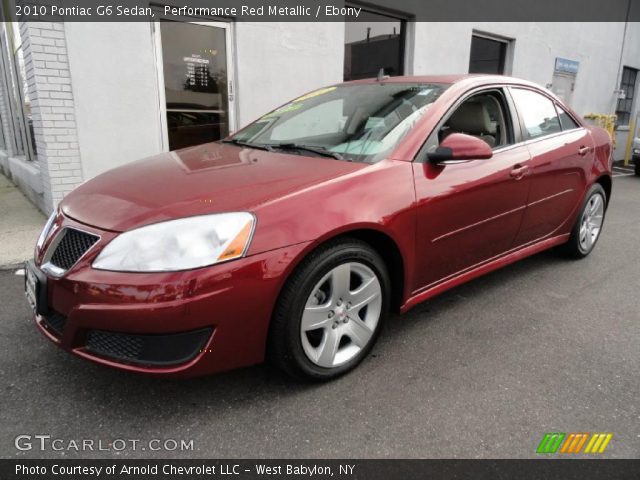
448	224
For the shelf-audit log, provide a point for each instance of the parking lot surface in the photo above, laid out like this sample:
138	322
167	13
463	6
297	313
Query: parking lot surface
484	370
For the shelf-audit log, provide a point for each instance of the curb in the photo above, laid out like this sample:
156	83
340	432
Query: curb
11	266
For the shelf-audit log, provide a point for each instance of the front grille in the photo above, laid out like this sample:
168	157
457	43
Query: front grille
55	322
169	349
72	245
127	347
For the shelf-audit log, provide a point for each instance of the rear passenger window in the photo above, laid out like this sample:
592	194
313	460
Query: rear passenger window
537	112
566	120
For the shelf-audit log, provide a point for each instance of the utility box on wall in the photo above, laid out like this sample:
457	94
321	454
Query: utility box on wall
564	79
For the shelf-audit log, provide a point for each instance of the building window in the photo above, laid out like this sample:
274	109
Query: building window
3	145
628	86
19	104
487	55
376	41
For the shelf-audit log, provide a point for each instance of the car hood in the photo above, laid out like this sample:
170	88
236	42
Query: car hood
209	178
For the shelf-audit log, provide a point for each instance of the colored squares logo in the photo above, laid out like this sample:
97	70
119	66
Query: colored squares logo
555	442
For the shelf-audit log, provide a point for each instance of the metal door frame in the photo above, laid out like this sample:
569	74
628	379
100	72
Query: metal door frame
162	100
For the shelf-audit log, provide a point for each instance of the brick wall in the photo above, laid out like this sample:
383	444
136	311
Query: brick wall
52	107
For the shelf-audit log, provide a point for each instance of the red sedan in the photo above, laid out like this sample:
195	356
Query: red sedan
292	239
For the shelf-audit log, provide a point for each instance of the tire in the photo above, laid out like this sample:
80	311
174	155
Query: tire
583	237
315	312
637	169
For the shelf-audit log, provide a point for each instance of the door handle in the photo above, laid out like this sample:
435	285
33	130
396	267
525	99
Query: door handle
582	151
519	171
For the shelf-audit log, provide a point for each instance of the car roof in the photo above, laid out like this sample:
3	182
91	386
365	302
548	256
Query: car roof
472	79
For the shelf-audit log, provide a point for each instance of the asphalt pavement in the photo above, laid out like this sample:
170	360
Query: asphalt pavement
484	370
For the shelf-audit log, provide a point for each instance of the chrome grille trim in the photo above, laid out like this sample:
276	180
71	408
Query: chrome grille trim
76	252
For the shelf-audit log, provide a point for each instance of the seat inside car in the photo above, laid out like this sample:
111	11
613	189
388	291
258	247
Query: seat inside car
472	118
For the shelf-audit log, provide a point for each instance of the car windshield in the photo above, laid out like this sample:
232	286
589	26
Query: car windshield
356	122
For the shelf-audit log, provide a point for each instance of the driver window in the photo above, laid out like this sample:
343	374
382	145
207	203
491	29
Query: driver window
483	116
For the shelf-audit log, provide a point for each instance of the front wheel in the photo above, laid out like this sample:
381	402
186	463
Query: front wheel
330	312
588	227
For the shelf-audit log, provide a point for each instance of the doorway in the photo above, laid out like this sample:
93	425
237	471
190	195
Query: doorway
196	82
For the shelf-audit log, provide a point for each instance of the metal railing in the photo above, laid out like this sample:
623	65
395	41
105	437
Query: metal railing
606	121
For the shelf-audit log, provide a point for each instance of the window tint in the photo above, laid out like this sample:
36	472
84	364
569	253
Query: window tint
537	113
566	120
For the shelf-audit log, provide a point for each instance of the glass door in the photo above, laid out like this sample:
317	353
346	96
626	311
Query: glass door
196	67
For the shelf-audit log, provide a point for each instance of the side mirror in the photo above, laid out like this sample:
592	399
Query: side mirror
459	146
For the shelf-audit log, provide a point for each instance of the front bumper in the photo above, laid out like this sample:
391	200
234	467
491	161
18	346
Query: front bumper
182	324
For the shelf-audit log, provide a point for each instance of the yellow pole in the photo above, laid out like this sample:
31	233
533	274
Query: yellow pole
630	136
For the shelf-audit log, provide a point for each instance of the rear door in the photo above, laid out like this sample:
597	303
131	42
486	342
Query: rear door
560	151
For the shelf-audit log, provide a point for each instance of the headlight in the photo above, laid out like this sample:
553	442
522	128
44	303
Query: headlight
46	230
181	244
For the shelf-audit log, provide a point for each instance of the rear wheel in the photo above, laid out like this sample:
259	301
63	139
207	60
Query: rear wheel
586	231
330	312
637	162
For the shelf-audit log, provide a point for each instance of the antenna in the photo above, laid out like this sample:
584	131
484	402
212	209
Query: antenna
381	75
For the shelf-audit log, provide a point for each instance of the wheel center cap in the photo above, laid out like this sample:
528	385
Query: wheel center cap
341	312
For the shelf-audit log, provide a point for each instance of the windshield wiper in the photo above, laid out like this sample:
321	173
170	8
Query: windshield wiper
235	141
307	148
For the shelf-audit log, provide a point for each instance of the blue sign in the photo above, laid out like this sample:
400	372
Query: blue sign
565	65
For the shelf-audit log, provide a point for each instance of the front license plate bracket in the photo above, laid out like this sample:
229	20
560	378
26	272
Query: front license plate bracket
35	285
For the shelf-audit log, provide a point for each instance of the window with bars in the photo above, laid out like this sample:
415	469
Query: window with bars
628	86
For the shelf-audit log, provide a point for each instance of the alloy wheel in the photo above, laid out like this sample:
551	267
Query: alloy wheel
591	222
341	314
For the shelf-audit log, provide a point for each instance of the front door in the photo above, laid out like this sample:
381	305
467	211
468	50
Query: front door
196	75
469	212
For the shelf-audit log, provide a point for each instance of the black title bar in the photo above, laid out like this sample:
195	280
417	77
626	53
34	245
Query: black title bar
546	469
324	10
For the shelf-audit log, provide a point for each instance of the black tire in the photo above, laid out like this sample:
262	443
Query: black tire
573	248
637	169
284	348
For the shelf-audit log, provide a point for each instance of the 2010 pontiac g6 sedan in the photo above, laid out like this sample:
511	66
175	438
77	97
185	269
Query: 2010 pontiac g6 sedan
292	239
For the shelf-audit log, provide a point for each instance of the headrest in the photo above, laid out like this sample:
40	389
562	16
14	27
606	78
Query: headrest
472	118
